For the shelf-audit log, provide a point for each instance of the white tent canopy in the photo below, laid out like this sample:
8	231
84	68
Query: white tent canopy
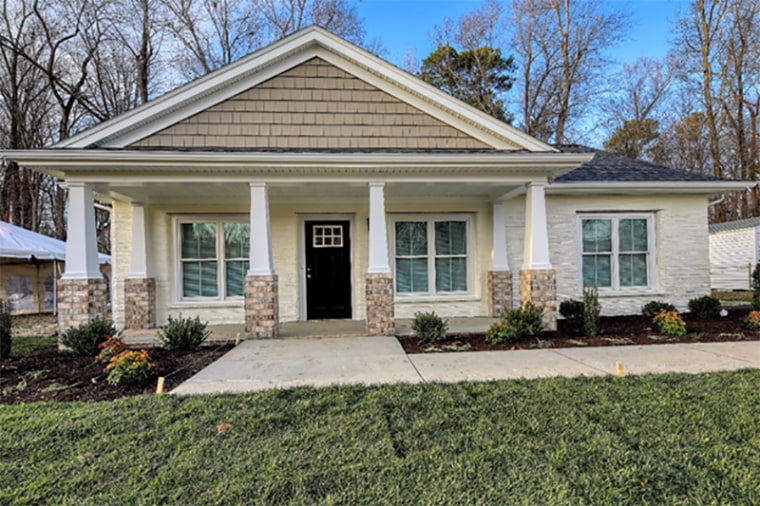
17	242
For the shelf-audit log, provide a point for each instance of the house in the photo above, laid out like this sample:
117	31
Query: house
734	252
313	180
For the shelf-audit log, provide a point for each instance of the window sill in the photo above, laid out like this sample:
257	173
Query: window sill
181	304
630	293
400	299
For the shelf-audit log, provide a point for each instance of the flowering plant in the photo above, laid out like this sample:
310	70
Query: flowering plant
109	348
670	323
129	367
752	320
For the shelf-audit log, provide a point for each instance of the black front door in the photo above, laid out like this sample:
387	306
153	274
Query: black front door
328	270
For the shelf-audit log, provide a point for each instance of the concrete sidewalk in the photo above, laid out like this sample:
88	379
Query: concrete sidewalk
281	363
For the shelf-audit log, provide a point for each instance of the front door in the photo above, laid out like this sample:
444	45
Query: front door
328	269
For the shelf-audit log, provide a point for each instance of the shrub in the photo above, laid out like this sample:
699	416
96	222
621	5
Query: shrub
670	323
752	320
5	330
183	333
756	287
591	311
429	327
129	367
525	321
655	307
110	348
84	340
572	310
705	307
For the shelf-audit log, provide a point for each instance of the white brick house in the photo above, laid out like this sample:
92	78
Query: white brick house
313	180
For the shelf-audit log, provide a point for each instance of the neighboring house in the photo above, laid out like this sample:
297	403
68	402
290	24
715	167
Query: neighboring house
313	180
734	248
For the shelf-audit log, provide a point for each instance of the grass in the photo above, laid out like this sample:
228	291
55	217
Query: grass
26	344
660	439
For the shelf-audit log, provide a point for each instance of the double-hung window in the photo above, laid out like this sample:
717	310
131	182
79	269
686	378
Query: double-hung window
617	251
432	254
213	258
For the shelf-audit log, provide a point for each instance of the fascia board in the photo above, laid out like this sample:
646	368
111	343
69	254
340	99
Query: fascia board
670	187
268	62
73	160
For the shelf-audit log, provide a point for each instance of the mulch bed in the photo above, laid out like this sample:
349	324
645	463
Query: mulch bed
47	375
614	331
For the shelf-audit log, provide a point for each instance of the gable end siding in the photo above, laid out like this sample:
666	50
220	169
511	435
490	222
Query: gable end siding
313	106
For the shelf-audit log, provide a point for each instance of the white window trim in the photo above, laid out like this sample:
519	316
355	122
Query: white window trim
651	252
219	220
431	218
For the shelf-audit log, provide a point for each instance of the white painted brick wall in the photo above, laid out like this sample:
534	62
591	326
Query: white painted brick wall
732	252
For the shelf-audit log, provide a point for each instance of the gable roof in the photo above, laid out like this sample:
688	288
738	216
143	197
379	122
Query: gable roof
268	62
735	225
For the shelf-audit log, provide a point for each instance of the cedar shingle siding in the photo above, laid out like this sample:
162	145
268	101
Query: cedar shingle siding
313	106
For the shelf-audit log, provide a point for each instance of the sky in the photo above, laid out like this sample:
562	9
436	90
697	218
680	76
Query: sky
402	26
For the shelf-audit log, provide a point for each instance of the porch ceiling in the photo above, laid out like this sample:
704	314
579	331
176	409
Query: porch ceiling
293	192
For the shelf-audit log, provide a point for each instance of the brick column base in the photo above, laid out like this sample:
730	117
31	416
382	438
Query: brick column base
379	299
81	301
540	287
262	311
500	293
139	303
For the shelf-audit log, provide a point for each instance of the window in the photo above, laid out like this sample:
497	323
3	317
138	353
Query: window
617	251
432	255
213	258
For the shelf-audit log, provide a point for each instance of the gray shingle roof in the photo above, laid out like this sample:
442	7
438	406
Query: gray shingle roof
611	167
735	225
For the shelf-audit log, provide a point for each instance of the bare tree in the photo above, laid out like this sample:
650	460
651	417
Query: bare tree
561	46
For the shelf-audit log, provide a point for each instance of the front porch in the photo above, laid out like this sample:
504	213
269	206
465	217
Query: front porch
221	334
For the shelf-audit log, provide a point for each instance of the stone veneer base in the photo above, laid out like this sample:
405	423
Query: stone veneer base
262	312
80	301
500	293
380	310
139	303
540	287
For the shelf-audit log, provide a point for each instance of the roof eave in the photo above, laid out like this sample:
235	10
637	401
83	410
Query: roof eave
648	187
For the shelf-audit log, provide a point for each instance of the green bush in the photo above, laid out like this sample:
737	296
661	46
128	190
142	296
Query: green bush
655	307
183	333
5	330
84	340
591	311
572	311
705	307
756	287
525	321
429	327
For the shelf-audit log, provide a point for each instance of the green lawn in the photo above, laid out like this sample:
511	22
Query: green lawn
25	344
666	439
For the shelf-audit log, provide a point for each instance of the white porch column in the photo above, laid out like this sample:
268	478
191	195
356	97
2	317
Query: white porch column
499	237
536	253
538	280
81	236
262	310
139	287
378	235
499	277
378	286
82	291
260	253
138	261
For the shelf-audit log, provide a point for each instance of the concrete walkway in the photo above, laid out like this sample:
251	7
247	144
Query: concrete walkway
281	363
